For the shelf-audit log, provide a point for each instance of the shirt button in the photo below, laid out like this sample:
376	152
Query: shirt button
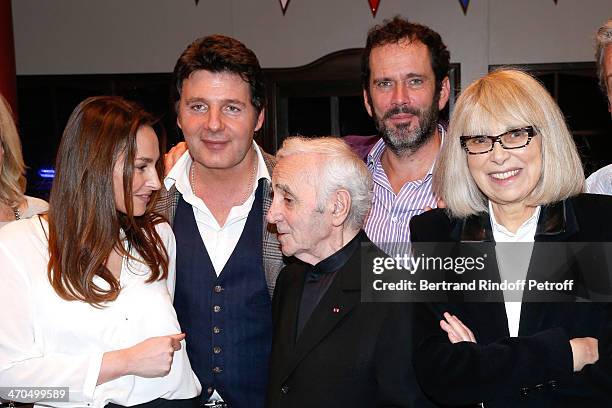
217	370
218	289
216	330
285	389
394	220
216	349
216	308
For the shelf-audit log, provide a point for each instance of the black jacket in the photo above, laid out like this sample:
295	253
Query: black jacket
536	368
349	354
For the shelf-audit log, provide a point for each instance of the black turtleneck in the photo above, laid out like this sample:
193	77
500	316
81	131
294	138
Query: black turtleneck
319	277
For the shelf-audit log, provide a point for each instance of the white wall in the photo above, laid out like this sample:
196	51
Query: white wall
133	36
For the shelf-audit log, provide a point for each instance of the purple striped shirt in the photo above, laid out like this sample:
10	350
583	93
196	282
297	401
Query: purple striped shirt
387	224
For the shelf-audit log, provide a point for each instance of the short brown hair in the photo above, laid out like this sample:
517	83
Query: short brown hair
219	53
397	29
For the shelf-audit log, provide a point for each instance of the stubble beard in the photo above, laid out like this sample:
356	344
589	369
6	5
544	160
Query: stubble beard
400	139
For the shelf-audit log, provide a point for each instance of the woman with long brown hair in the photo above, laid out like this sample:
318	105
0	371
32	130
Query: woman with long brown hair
88	287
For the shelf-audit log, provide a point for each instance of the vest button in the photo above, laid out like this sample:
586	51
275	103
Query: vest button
210	390
218	289
216	330
217	370
216	308
216	349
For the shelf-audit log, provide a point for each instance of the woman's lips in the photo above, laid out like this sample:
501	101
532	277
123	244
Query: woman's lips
505	176
144	197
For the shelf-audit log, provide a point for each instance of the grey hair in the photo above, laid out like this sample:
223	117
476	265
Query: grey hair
508	97
602	40
340	169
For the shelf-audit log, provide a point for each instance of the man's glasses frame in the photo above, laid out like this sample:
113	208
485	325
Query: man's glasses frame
499	138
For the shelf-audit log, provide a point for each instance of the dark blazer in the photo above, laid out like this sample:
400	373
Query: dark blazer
536	368
349	354
272	255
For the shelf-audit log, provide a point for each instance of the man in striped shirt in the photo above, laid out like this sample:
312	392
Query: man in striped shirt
405	85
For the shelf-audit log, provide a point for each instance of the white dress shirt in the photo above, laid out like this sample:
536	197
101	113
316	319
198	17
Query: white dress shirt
513	261
600	182
219	240
47	341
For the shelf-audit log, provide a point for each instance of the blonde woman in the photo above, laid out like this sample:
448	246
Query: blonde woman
509	172
14	205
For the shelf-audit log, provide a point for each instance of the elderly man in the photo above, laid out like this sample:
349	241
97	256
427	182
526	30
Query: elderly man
329	349
600	182
216	198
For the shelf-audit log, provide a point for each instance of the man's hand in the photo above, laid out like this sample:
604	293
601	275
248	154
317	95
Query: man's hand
173	155
439	204
584	351
456	330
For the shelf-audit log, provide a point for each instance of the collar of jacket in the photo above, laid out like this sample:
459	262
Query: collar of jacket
556	221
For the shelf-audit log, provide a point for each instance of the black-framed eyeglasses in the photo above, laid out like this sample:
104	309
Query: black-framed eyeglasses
512	139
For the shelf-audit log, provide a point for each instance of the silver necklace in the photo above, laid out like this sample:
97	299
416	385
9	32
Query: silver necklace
192	181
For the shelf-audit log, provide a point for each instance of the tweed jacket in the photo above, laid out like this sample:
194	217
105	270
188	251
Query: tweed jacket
272	256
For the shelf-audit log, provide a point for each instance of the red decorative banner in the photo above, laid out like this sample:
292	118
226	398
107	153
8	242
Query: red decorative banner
464	5
284	4
374	6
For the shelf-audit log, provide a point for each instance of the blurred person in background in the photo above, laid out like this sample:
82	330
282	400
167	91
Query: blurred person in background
14	205
600	182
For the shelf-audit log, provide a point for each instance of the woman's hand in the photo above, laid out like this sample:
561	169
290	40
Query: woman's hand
150	358
153	357
456	330
584	351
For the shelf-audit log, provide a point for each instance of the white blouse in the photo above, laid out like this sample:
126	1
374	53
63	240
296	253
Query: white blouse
509	262
46	341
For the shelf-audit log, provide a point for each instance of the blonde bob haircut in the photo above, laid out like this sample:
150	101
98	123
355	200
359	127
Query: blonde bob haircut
507	98
12	172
